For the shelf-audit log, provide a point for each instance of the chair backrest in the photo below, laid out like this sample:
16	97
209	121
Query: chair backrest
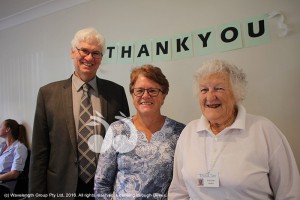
22	180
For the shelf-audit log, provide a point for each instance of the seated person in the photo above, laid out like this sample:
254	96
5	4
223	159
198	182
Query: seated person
13	153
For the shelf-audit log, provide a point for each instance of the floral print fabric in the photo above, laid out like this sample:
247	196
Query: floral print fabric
132	166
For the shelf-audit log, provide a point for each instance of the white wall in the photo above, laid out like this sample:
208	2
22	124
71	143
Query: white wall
37	52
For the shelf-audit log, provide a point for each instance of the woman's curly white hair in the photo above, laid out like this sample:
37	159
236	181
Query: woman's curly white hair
236	75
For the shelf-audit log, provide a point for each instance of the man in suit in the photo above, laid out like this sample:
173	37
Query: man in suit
56	161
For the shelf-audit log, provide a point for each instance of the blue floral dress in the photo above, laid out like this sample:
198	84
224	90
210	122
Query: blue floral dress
133	167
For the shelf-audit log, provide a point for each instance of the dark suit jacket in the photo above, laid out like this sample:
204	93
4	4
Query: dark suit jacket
54	159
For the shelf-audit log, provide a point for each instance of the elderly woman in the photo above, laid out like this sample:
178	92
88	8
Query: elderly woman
228	153
136	160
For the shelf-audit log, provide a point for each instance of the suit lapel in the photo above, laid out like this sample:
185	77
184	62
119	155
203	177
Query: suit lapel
68	110
103	105
103	102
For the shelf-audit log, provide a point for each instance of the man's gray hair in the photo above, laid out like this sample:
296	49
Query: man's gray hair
89	34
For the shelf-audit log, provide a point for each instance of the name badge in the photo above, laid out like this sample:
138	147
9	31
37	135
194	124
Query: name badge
208	179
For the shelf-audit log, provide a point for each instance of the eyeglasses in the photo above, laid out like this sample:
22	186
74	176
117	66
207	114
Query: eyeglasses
153	92
85	52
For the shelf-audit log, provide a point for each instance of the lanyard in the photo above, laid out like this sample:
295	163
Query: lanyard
210	165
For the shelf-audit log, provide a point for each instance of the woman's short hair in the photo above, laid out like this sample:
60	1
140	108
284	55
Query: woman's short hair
87	35
151	72
236	75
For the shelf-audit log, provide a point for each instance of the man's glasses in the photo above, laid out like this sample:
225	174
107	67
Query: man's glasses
153	92
85	52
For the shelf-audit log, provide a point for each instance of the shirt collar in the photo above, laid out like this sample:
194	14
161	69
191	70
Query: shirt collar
239	122
3	144
78	83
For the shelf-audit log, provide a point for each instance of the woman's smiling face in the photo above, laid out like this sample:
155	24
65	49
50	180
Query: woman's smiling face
216	97
147	104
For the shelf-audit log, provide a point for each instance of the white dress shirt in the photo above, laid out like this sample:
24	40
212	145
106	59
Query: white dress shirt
13	158
252	157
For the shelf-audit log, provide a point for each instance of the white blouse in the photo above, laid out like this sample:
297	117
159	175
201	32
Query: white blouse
252	158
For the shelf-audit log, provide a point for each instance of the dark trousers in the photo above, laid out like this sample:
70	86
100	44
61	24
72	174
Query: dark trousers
85	190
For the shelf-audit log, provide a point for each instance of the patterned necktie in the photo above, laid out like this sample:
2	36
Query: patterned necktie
87	157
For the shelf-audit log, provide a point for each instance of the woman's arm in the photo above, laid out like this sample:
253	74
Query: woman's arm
177	189
9	175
